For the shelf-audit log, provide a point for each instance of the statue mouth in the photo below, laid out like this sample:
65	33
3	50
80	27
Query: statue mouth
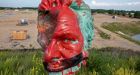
55	66
60	65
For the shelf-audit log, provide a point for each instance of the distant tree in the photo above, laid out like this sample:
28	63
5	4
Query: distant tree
1	8
111	12
118	13
130	14
101	11
123	14
93	11
137	14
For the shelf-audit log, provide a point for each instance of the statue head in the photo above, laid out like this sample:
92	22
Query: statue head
61	37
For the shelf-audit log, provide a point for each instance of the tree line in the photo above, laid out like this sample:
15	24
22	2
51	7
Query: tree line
131	14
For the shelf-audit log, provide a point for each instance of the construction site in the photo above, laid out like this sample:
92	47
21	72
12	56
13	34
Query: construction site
18	30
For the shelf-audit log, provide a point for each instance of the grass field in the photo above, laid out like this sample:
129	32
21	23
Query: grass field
106	61
126	30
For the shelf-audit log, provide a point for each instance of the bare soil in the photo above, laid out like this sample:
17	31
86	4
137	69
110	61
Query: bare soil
8	23
10	18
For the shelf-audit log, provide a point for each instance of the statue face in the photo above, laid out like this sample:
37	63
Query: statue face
59	34
64	49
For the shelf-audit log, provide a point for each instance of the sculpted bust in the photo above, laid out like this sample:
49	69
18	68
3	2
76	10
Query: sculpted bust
65	32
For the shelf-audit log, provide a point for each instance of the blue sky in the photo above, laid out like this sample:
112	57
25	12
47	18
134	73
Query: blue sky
96	4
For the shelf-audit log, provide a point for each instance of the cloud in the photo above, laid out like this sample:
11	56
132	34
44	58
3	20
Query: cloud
94	3
133	3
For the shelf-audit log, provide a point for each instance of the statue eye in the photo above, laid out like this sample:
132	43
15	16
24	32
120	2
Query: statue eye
72	41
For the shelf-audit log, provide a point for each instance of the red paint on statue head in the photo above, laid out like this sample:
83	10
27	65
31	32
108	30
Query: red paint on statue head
66	41
62	40
48	4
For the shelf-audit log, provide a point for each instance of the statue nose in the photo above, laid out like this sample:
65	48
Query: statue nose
52	57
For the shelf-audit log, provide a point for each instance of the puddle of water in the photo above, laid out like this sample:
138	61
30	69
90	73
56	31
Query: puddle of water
136	37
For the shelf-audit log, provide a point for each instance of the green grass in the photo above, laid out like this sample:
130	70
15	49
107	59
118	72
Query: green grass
112	61
21	63
127	29
131	28
104	35
105	61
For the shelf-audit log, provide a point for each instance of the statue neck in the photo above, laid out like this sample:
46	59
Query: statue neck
69	71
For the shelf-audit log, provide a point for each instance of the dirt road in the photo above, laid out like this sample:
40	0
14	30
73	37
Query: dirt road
116	40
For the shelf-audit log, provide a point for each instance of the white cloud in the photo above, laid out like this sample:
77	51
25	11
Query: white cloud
133	3
94	3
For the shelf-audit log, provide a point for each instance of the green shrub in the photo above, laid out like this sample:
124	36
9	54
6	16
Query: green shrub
104	35
105	61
